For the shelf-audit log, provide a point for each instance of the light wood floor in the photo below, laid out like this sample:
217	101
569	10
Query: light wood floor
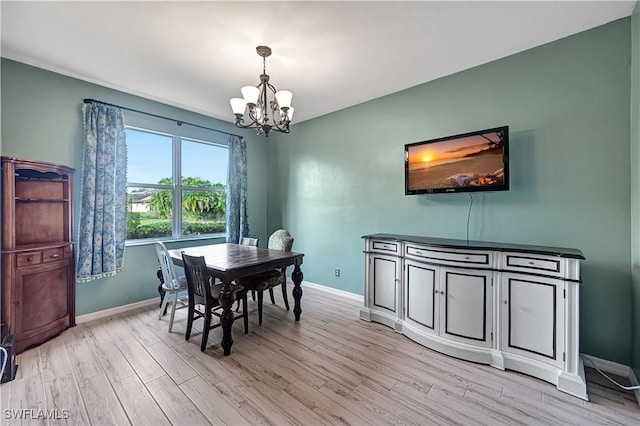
330	368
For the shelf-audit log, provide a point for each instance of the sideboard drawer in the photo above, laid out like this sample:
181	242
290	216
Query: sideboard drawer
31	258
389	247
450	257
545	265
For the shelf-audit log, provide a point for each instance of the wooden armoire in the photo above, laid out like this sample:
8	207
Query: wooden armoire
38	261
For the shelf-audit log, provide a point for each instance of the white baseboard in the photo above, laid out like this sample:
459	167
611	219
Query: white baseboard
124	308
114	311
608	366
614	368
332	290
635	382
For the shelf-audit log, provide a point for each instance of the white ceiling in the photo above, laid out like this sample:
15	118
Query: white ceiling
331	55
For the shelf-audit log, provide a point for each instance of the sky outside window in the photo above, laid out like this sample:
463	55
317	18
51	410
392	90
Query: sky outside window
204	161
150	159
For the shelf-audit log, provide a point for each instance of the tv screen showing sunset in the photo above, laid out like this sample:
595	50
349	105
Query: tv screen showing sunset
473	161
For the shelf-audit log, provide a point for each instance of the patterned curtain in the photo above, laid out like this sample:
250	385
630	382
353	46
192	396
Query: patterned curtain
237	218
103	197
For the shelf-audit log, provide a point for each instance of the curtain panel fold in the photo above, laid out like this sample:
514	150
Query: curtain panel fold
103	193
237	219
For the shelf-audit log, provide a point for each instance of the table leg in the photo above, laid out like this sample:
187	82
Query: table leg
297	277
226	318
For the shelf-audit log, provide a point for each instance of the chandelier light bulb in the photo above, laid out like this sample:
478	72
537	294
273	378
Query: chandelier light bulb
238	105
250	94
284	98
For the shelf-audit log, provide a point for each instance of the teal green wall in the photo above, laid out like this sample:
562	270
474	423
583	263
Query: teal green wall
340	176
635	184
41	120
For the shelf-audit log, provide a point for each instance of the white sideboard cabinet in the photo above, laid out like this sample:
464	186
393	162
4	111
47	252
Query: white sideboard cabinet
511	306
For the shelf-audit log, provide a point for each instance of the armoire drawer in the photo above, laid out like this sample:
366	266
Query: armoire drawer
53	255
29	258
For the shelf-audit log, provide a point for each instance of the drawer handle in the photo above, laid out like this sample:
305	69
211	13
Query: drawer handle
506	303
55	255
531	263
29	259
466	258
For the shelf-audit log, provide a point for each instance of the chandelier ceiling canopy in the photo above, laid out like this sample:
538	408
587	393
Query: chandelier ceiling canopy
267	108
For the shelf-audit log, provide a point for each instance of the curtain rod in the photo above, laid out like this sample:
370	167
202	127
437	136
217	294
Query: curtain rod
178	122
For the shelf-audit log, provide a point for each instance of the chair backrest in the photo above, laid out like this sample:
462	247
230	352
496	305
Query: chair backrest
281	240
246	241
198	285
166	264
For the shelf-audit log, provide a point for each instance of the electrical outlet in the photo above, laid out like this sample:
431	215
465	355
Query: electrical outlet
337	272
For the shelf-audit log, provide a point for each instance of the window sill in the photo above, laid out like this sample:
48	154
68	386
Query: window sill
135	243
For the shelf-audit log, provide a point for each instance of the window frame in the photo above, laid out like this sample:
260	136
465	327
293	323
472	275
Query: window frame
176	188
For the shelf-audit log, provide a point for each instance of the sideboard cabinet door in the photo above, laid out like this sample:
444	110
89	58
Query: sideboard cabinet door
466	310
385	278
421	298
532	311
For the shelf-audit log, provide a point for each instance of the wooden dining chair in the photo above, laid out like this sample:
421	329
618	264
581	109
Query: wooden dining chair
202	293
174	286
248	241
279	240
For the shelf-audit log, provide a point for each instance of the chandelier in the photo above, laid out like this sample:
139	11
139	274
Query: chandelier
255	100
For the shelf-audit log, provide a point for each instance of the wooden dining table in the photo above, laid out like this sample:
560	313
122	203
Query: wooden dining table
228	262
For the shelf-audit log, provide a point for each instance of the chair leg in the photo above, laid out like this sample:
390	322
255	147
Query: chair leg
205	330
163	307
238	305
173	310
245	314
253	295
260	297
273	301
190	315
284	295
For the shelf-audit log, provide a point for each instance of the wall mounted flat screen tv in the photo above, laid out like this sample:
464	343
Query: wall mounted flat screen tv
475	161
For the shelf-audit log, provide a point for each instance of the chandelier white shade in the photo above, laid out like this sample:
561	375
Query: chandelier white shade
266	108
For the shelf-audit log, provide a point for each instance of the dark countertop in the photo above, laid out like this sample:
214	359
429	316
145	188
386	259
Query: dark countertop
480	245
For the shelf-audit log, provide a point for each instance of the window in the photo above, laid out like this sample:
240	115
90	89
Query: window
175	186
